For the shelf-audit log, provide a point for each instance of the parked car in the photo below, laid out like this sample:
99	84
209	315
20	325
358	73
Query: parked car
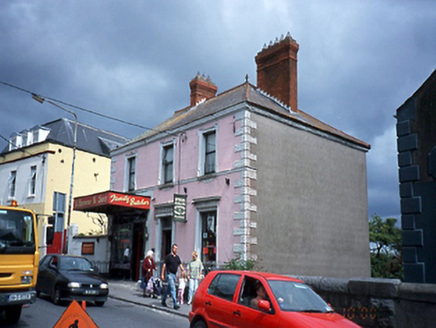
259	299
66	277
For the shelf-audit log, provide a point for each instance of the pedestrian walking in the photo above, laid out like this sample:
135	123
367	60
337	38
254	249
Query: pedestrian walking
148	266
195	274
182	285
171	265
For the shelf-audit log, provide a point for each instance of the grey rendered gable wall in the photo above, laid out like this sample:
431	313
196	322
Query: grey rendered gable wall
311	203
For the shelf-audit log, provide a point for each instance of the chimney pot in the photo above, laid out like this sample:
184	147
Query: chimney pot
202	88
277	71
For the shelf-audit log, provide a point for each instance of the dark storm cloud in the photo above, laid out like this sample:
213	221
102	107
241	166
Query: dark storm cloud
358	62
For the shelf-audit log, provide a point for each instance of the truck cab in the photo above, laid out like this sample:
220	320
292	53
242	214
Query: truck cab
19	260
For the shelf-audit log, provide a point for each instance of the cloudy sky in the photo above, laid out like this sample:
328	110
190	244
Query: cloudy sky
133	60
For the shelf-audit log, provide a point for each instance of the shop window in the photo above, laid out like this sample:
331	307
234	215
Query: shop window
208	237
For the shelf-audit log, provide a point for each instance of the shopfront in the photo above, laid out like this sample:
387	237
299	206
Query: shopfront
127	230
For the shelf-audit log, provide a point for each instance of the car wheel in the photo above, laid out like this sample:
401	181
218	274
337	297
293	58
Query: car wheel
200	324
99	303
13	314
56	296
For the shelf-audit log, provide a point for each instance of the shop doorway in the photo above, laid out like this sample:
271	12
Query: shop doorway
138	249
166	237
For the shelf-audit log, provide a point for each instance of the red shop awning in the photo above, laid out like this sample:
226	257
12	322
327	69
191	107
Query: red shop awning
110	201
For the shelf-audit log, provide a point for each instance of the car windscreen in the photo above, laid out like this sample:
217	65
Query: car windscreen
297	297
75	264
16	232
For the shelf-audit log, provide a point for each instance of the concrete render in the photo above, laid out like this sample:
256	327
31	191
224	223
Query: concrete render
127	291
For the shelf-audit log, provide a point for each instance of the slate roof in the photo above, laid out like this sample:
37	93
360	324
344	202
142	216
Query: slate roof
245	93
89	139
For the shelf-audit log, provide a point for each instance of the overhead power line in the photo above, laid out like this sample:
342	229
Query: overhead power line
80	108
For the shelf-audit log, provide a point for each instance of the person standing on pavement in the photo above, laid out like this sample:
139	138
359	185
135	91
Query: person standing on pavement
195	272
148	266
171	265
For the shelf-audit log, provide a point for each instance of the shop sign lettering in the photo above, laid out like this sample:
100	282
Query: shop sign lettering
106	198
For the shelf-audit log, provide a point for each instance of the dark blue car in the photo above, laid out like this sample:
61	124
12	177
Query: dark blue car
67	277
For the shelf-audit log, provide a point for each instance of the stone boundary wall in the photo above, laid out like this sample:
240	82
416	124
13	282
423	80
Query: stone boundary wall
374	302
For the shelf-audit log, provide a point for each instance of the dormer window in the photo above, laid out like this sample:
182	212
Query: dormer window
24	139
15	142
35	135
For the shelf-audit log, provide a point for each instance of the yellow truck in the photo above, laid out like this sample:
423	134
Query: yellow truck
19	260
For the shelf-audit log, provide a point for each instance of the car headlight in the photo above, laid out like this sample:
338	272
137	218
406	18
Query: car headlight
104	286
74	284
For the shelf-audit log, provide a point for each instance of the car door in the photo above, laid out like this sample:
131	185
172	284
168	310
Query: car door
245	313
219	299
52	273
42	279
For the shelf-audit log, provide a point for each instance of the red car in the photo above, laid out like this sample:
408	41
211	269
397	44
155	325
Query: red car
259	299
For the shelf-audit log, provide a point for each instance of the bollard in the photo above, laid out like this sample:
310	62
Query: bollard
84	305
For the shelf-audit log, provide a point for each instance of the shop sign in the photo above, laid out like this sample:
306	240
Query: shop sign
88	248
179	211
111	198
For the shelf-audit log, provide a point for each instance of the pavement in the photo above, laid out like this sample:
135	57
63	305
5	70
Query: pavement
128	291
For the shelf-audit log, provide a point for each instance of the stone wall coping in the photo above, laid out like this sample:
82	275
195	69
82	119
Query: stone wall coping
418	292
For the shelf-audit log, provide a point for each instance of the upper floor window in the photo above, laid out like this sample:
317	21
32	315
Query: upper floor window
32	181
167	163
12	183
131	173
209	142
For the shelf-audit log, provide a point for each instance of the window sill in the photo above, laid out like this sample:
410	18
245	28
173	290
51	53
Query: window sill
207	176
166	185
31	196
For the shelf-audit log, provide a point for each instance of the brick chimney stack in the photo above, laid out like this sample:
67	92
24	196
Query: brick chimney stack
277	70
201	88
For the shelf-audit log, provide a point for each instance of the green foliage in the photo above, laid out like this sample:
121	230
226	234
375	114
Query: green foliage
239	264
386	255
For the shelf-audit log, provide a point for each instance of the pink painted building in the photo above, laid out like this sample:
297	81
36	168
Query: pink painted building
246	174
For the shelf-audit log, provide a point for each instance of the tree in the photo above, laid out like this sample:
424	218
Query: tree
385	247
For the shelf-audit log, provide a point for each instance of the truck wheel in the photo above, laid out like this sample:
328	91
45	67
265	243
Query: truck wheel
13	314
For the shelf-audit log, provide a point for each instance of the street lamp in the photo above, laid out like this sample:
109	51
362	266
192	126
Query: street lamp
70	200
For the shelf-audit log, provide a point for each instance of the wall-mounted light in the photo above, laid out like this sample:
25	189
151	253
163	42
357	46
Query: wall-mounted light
227	181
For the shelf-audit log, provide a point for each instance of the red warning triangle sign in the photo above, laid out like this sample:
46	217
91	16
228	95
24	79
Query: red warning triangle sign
75	317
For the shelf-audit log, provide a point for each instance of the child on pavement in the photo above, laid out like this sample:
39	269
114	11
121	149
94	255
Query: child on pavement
182	285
